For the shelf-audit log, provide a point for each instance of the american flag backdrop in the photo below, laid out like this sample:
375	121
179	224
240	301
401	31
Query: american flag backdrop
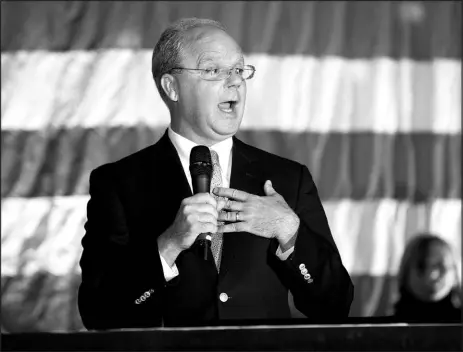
366	94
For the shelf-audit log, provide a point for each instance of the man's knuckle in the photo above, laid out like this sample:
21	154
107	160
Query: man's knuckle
190	217
208	227
212	200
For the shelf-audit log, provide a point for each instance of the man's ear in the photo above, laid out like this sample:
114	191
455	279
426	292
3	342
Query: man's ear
169	85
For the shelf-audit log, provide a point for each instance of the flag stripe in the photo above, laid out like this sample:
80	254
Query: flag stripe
418	29
44	234
291	93
416	167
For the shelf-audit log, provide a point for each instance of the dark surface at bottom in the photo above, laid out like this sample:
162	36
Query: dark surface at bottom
370	337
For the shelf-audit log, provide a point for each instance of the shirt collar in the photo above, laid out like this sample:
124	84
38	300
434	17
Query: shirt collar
184	146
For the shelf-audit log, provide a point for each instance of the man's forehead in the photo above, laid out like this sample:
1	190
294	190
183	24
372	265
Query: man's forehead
208	43
211	56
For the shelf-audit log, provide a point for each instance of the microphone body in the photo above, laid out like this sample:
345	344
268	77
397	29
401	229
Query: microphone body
201	175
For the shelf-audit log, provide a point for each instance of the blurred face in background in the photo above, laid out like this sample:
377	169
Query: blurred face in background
207	111
432	277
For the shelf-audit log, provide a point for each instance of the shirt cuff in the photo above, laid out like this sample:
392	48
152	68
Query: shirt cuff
169	272
284	255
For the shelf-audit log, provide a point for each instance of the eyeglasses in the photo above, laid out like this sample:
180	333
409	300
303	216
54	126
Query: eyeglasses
218	74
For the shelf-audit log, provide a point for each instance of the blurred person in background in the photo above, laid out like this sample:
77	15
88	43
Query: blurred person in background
140	264
428	282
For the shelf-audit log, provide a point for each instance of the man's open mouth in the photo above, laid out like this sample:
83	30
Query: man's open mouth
228	106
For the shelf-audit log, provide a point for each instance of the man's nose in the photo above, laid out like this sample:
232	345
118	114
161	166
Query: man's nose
234	80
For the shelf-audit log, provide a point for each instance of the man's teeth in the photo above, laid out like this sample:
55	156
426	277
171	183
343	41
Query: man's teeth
227	106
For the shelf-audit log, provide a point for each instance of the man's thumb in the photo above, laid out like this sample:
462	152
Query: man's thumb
268	188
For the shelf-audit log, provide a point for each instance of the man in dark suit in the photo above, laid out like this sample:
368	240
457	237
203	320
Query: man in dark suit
141	265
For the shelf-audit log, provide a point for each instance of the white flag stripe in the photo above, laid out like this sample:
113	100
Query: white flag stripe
447	99
59	248
291	93
370	235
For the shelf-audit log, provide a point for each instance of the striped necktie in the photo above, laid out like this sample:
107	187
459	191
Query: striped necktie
217	238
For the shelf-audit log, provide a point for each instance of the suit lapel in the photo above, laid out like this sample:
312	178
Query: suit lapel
245	176
166	179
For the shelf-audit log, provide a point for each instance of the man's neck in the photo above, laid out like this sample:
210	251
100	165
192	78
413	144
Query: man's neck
194	138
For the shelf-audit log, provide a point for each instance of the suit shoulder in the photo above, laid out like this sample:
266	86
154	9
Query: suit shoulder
123	167
267	158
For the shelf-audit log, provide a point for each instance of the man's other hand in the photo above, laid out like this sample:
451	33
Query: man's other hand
267	216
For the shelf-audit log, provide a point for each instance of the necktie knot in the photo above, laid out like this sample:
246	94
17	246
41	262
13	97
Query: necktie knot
215	158
216	170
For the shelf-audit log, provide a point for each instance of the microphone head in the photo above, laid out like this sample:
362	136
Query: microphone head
200	161
200	154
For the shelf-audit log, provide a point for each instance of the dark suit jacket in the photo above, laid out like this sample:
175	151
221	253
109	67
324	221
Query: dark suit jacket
135	199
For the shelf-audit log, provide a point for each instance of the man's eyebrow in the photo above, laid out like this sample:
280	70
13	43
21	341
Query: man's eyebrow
210	57
207	57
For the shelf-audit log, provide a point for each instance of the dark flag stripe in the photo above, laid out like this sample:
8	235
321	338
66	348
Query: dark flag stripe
411	166
415	167
352	29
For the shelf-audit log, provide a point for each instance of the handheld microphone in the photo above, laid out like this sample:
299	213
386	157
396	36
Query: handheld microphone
201	175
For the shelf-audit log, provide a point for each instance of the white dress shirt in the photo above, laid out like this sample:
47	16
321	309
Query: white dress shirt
224	150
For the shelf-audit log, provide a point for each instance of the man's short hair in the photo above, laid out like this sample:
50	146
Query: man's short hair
168	50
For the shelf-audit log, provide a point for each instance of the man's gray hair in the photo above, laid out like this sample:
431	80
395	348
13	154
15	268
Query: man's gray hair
168	50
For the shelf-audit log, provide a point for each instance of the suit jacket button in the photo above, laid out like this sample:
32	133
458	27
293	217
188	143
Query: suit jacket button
302	266
307	276
304	271
223	297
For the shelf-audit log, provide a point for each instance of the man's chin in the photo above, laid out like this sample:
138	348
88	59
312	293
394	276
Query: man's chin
227	127
219	137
